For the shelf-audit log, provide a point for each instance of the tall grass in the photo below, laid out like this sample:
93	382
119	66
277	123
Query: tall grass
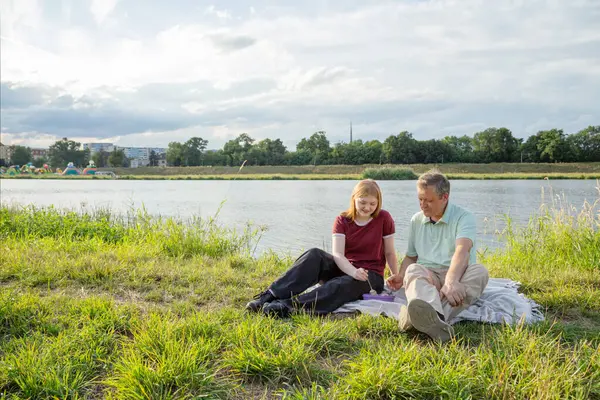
166	235
556	254
450	168
389	174
94	305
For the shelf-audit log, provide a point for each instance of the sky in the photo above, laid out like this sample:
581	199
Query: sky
146	73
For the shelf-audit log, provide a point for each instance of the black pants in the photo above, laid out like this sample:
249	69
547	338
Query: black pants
338	288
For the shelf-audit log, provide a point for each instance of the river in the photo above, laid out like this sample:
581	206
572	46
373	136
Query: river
298	214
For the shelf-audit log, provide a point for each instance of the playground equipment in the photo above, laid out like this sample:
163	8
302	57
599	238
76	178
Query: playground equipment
13	170
27	169
90	169
71	170
45	169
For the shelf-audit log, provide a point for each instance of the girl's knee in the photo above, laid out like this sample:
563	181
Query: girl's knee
315	252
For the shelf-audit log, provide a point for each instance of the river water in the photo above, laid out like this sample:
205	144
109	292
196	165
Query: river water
298	214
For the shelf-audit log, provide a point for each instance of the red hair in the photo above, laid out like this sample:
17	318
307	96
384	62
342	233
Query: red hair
364	188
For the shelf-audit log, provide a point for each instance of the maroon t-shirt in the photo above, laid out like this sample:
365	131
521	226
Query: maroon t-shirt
364	244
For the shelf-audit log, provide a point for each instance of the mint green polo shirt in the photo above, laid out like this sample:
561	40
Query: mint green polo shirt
434	244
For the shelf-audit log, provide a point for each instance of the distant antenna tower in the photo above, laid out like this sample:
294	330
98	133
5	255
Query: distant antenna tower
350	131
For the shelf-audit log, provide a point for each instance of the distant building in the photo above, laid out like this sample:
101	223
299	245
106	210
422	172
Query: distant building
37	153
158	150
98	147
4	153
141	154
138	156
162	160
135	152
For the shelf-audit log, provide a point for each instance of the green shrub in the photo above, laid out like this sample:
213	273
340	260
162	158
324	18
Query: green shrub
389	174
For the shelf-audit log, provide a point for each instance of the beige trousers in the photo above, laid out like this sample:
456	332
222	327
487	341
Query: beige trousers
425	283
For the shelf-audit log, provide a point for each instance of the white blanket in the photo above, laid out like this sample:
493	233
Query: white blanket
500	302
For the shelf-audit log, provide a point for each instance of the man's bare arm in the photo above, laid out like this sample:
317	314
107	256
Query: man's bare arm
397	280
460	260
406	261
453	290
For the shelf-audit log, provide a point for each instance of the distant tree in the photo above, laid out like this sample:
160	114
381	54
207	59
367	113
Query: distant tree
529	149
317	145
153	158
237	150
118	159
270	152
175	154
300	157
490	145
20	155
233	150
400	149
100	158
552	146
461	149
215	157
373	152
193	150
495	145
432	151
65	151
41	161
356	153
585	144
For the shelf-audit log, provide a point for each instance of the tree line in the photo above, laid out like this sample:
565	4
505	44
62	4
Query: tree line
490	145
65	151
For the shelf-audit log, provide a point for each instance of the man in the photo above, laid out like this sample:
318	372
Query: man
439	272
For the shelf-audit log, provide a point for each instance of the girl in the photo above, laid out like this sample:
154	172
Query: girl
362	243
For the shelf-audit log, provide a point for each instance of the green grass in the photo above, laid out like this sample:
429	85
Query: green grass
454	168
347	172
100	306
374	173
389	174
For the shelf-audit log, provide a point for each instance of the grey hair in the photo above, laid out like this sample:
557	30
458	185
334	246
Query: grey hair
436	179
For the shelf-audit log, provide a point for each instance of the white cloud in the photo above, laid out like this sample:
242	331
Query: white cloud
101	9
16	17
222	14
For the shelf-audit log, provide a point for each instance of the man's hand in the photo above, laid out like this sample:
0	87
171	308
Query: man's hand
395	281
455	292
361	274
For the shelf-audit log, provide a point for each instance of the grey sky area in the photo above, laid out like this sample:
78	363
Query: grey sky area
139	73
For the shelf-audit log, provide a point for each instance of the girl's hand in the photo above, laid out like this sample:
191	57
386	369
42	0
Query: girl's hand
395	281
361	274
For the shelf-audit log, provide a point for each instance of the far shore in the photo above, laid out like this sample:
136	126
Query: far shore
305	177
343	172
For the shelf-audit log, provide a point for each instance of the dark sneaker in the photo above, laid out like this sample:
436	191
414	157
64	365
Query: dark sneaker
259	300
276	309
425	319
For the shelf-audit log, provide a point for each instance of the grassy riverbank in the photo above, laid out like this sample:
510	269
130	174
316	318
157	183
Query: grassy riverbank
348	172
356	170
311	177
100	306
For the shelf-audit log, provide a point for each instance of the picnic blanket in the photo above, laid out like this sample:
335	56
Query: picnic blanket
500	302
